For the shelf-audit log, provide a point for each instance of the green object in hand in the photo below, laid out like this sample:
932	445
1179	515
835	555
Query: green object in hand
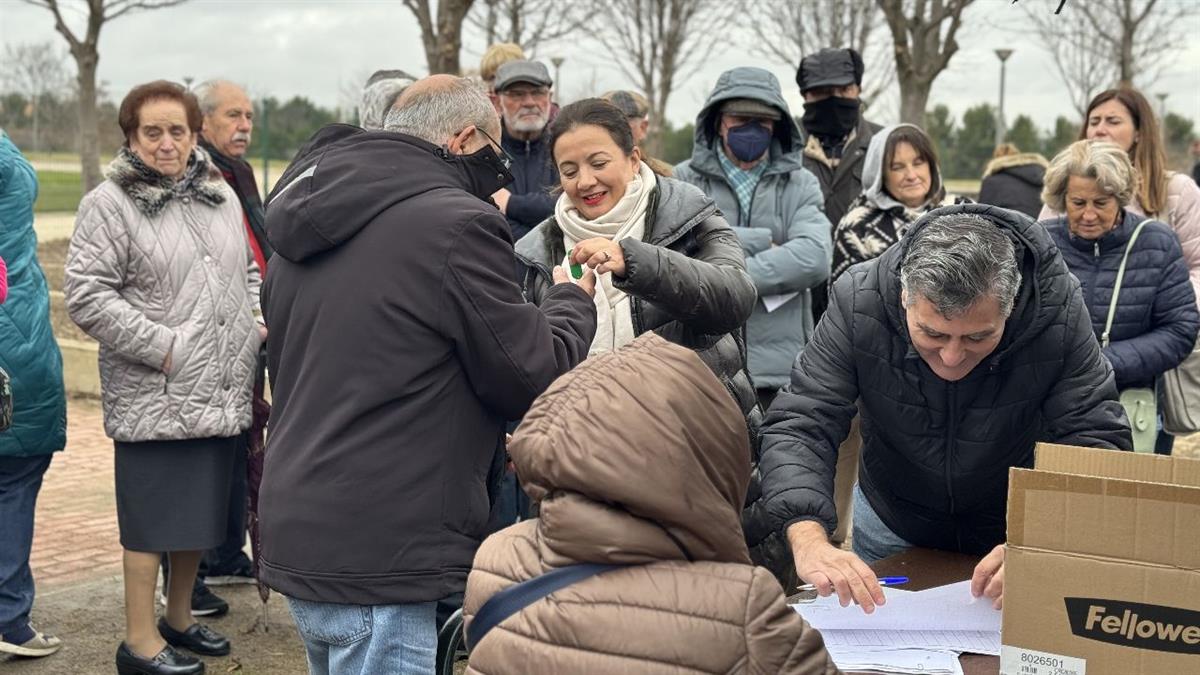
576	271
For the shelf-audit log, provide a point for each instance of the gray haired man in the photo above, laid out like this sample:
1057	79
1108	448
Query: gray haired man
400	344
961	347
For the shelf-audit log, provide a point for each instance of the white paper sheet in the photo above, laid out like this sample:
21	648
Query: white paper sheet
774	302
950	607
945	617
891	660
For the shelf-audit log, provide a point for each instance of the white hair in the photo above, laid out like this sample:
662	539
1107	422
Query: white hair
437	114
206	94
1104	162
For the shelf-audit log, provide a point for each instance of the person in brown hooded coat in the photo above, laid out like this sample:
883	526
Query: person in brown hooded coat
638	457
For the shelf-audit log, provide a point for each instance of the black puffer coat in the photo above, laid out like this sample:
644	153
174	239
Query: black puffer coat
1015	182
1156	321
687	282
936	454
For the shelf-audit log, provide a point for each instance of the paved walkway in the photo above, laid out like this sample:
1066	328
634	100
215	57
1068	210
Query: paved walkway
75	535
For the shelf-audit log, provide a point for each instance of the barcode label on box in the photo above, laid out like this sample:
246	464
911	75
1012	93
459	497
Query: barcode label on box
1017	661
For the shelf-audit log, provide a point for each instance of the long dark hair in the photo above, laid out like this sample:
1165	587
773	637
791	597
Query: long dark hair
923	144
594	112
1147	152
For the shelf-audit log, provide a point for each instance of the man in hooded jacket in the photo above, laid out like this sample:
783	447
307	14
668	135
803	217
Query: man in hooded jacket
963	346
747	159
400	344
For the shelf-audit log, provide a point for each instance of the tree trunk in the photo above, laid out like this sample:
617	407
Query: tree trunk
1126	56
914	96
86	58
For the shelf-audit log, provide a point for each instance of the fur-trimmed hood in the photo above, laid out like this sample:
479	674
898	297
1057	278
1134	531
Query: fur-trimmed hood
151	190
1013	161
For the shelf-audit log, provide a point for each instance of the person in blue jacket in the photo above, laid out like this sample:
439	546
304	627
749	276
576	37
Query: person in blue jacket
30	356
1155	323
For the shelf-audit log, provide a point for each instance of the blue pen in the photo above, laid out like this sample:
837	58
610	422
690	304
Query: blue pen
883	581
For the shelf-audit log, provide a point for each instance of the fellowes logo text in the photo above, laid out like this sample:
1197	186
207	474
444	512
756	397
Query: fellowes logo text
1134	624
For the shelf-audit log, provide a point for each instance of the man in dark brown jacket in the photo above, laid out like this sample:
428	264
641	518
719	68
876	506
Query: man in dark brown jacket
400	344
640	458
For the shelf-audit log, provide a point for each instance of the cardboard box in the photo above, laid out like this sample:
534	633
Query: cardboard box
1102	572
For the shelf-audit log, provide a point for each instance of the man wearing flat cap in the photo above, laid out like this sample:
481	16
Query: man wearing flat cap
747	158
523	90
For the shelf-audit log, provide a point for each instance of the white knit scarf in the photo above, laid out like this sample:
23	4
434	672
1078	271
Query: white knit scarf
614	320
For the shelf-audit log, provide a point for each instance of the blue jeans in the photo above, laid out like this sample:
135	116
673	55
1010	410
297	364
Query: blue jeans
366	639
872	539
20	481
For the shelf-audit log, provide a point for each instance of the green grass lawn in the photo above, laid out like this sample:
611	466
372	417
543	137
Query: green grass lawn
58	191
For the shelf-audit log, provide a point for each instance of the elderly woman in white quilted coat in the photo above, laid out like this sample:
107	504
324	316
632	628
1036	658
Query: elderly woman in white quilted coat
160	273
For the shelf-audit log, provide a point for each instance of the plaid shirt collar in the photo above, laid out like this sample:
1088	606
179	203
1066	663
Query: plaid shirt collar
743	181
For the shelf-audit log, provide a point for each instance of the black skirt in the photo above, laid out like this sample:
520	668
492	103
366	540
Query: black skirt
174	495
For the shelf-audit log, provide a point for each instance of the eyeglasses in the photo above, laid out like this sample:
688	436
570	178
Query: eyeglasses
505	158
520	94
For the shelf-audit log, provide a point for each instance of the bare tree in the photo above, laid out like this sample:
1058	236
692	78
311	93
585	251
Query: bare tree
86	53
1103	43
34	70
787	31
924	38
659	44
441	34
529	23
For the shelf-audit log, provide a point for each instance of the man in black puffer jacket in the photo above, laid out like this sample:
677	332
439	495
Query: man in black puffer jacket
961	347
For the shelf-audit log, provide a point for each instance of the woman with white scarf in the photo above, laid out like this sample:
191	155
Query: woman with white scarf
665	258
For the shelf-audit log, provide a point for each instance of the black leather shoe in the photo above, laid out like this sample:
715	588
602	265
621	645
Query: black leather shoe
167	662
197	638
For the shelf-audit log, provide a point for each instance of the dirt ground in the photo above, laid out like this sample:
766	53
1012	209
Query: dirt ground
89	619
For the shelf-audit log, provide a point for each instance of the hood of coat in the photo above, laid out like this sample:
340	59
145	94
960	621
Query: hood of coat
344	177
787	146
873	191
1046	283
675	208
1029	167
637	455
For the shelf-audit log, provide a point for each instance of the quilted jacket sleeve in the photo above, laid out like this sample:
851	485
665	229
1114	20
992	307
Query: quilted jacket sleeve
1184	200
710	292
810	418
1173	325
3	281
802	260
1082	408
778	640
511	350
97	260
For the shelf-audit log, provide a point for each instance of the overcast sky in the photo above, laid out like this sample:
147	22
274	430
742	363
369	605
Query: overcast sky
324	49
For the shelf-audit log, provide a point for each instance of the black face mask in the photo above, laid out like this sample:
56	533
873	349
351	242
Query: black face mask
832	118
486	170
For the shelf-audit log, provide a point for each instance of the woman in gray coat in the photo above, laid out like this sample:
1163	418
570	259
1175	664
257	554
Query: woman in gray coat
160	274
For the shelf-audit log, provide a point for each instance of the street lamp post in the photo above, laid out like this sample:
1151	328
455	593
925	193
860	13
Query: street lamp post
557	61
1162	107
1003	54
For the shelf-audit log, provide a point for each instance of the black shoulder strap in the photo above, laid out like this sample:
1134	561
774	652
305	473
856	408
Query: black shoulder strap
517	597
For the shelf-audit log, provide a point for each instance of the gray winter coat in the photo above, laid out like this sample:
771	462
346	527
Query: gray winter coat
785	236
162	272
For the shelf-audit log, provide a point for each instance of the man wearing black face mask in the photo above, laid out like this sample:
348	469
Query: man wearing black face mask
400	344
836	134
747	159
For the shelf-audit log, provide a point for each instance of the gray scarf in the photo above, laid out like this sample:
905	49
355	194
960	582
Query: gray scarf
151	191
